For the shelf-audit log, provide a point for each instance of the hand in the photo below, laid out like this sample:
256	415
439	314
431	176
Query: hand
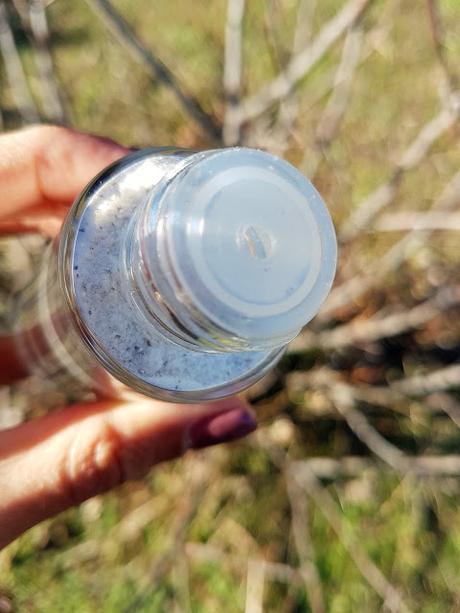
77	452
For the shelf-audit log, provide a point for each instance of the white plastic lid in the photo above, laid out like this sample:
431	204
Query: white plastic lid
251	243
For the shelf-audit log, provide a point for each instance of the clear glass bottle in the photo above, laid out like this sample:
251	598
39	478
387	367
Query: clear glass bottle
180	274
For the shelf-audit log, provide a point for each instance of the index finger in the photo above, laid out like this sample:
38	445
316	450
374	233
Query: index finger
48	166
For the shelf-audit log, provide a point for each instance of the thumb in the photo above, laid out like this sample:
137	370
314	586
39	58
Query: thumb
53	463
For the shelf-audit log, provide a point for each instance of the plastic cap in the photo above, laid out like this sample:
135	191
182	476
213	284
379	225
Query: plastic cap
251	243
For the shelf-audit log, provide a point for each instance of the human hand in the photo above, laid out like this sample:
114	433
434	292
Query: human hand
70	455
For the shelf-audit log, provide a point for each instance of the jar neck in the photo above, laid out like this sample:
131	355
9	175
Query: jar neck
231	251
155	287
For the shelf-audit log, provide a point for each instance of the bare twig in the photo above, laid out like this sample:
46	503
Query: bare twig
437	33
232	70
52	100
277	51
198	472
332	115
303	24
302	474
438	380
305	477
331	118
304	544
403	222
13	66
444	402
157	69
388	453
274	571
353	466
377	327
255	580
359	283
301	64
413	155
289	106
276	139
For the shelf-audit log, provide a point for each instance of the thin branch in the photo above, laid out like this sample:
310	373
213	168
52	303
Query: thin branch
331	118
377	327
198	474
388	453
303	24
232	70
255	580
303	62
51	95
413	155
15	72
275	138
403	222
302	474
304	544
276	50
157	69
451	82
438	380
353	288
275	571
397	396
289	106
444	402
349	467
306	479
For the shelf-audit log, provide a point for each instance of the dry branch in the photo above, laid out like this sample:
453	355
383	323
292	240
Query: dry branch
302	474
403	222
198	474
157	69
450	79
275	571
413	155
349	467
232	70
332	115
14	70
52	99
306	479
442	379
360	283
302	63
255	579
444	402
377	327
304	544
331	118
388	453
289	107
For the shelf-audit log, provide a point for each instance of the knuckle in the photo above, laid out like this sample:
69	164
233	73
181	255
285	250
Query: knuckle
93	465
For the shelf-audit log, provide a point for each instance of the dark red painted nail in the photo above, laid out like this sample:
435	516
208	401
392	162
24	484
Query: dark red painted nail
221	428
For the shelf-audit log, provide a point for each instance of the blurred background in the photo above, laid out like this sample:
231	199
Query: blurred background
348	497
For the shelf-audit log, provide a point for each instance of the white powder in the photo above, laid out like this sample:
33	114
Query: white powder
110	315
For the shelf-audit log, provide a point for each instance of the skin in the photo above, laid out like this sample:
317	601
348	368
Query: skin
72	454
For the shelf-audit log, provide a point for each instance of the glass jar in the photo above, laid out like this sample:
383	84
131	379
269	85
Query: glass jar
180	274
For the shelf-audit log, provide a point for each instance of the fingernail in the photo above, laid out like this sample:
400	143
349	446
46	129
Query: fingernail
221	428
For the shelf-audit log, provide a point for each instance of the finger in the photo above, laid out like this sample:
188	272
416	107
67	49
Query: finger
49	164
45	219
66	457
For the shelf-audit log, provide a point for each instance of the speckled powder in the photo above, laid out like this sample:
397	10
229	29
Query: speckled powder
101	294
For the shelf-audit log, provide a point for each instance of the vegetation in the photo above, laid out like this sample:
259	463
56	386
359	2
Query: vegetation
348	496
